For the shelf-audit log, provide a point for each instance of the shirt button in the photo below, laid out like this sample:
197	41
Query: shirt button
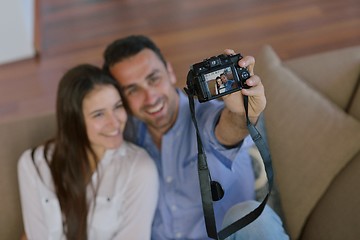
178	235
173	208
169	179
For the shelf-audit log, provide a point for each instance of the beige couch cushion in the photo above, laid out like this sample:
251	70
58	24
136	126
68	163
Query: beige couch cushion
332	73
354	109
15	137
310	138
337	213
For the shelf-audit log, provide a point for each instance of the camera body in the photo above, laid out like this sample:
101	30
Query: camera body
217	76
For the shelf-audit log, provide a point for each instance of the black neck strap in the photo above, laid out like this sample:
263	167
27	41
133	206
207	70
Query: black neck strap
207	195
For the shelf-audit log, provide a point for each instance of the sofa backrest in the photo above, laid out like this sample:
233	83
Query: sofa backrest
15	137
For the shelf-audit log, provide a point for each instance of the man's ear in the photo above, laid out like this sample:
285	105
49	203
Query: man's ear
171	73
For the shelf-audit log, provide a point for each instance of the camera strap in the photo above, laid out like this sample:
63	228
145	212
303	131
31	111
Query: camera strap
210	189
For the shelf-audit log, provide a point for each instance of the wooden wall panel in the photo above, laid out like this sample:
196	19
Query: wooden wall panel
75	31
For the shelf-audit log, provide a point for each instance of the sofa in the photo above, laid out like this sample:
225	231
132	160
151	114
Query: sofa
312	123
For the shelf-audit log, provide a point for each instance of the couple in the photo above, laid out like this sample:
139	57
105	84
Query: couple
223	84
93	181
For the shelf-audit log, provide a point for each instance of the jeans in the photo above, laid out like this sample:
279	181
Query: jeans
268	226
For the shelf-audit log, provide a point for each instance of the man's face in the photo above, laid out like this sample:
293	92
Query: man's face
148	86
223	78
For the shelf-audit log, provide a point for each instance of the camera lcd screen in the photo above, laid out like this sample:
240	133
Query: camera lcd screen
221	82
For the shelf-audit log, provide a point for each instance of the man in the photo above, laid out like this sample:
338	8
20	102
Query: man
162	125
228	83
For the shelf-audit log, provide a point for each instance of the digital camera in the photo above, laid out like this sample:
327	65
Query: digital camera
216	76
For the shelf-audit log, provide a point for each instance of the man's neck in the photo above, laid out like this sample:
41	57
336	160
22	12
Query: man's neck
156	136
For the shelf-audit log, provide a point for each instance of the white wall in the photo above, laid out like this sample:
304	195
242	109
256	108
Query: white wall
16	30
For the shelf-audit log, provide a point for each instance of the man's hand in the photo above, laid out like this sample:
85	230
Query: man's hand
232	128
256	94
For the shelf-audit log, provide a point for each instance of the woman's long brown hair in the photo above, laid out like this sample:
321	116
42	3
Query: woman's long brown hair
69	163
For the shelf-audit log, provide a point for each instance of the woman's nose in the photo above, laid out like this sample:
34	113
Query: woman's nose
113	121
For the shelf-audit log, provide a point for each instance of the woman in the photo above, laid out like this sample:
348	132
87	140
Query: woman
88	183
219	86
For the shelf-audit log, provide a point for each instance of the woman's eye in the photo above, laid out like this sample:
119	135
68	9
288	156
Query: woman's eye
119	105
97	115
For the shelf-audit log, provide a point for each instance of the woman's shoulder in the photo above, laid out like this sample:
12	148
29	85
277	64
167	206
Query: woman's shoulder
134	150
134	154
33	165
35	157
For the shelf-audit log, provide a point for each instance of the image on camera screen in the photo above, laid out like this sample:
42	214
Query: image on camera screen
220	81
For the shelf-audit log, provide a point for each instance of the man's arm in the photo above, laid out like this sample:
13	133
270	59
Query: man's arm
231	128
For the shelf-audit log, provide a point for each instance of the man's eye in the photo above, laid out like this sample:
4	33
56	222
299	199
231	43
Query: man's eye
130	91
155	79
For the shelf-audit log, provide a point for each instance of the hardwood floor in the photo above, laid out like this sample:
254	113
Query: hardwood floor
187	31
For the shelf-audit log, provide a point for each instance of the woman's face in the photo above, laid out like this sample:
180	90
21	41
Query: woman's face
105	118
219	81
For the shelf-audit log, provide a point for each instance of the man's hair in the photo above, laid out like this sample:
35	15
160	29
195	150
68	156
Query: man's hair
127	47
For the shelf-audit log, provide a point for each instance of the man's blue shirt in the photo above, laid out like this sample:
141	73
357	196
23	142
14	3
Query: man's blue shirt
229	85
179	213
